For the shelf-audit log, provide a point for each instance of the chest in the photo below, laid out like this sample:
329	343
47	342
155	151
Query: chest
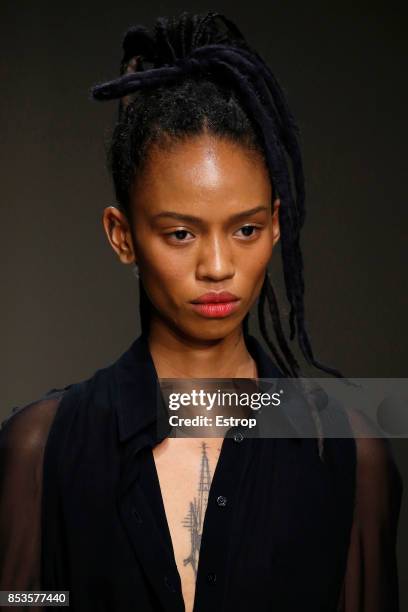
285	519
185	470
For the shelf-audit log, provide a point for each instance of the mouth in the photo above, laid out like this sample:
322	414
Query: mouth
216	309
215	297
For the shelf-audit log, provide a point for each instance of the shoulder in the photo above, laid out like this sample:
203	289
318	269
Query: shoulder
26	427
379	482
85	401
373	449
23	439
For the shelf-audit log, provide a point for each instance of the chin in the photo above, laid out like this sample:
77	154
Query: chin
211	329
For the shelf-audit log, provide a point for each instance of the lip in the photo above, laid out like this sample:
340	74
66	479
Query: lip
216	297
216	310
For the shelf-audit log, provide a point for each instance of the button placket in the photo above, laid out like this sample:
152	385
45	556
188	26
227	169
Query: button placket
169	584
148	546
136	515
211	577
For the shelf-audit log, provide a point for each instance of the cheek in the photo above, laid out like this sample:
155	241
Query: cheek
159	262
258	259
164	275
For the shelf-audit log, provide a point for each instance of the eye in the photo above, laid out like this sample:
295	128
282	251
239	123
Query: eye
250	229
179	235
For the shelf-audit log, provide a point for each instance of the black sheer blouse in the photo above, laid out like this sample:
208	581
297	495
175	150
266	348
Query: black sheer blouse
81	508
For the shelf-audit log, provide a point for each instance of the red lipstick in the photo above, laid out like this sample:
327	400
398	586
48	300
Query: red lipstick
216	304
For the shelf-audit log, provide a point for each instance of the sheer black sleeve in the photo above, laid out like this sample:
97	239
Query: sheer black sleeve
371	577
23	436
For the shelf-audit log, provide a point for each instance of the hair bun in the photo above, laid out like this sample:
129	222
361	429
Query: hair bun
175	39
138	45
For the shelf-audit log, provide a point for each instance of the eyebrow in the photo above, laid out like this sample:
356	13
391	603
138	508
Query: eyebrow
193	219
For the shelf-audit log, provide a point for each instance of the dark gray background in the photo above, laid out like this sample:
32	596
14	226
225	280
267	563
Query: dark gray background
68	307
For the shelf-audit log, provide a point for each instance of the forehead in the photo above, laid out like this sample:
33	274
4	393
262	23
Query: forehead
201	173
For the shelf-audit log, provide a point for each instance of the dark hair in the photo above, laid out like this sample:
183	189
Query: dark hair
197	73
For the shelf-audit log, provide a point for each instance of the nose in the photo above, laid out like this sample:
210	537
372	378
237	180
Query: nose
215	260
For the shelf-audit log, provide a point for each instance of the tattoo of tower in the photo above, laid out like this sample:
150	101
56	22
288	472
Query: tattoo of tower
195	517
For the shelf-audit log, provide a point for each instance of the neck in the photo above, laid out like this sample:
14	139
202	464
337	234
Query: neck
177	356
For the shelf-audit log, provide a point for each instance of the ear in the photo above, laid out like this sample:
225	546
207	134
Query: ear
118	232
275	221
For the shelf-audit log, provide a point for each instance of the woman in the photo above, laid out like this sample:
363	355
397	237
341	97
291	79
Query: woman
94	500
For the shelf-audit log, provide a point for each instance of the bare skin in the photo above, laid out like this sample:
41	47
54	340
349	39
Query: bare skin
181	468
179	259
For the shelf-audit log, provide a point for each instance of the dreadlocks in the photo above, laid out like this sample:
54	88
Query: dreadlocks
196	73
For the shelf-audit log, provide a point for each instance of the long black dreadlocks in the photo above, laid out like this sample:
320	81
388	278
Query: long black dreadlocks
196	73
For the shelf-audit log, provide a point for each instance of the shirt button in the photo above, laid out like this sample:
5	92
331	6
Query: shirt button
211	578
136	515
221	500
238	437
169	584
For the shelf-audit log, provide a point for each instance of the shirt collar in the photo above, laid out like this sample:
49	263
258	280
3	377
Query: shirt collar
136	385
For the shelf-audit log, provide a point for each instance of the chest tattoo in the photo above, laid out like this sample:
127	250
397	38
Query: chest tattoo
195	516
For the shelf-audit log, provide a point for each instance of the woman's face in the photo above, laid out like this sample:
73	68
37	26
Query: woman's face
201	221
